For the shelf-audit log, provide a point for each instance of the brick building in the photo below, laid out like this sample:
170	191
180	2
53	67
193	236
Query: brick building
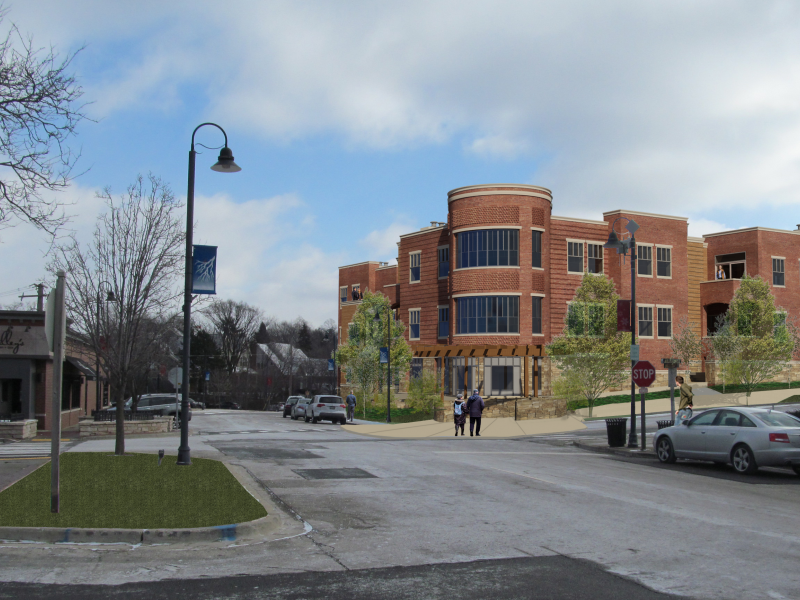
493	283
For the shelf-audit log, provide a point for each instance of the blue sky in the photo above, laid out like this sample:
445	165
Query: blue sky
352	120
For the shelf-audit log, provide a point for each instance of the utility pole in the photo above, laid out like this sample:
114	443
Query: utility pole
39	295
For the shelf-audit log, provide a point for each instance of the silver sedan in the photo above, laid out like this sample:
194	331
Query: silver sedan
747	438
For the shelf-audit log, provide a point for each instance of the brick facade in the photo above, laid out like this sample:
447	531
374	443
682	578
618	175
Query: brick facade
686	291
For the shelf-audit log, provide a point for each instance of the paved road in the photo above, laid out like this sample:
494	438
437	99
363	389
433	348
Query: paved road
432	505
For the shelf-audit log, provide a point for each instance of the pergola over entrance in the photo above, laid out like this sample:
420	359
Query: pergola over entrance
484	351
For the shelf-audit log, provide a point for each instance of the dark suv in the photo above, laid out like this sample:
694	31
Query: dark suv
163	404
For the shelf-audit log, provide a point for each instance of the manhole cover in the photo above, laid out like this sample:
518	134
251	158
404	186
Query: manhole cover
333	473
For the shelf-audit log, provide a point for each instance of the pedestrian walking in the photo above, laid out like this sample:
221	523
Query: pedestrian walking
460	413
684	411
351	406
475	406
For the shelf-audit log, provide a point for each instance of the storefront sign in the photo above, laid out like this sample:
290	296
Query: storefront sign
23	340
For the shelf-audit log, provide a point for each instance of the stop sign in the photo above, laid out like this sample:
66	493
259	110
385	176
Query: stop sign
644	373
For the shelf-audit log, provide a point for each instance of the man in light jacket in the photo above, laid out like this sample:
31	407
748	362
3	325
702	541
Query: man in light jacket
475	406
685	408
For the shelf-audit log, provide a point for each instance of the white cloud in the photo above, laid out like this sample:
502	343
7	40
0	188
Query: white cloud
700	227
264	257
498	146
382	243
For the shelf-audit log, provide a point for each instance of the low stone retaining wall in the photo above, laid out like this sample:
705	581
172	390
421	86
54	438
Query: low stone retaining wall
790	372
18	430
526	409
91	428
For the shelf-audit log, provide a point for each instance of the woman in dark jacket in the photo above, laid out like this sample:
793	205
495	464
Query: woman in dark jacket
460	413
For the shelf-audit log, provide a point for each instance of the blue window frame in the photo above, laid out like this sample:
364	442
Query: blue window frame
487	314
413	324
488	248
444	321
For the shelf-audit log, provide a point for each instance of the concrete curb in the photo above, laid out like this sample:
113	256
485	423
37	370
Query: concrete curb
615	451
218	533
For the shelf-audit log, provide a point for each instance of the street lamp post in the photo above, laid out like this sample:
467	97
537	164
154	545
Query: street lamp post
388	359
109	298
224	164
622	247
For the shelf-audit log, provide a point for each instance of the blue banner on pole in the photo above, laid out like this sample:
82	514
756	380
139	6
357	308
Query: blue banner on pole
384	356
331	364
204	269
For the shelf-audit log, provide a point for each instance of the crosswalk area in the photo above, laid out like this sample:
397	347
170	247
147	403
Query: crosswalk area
27	450
255	431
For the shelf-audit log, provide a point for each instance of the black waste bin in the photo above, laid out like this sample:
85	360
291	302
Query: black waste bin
617	432
663	424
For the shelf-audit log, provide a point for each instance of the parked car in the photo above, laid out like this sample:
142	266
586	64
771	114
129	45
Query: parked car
281	407
327	408
747	438
290	402
163	404
196	404
231	405
300	408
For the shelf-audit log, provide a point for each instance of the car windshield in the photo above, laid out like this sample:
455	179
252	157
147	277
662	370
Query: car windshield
776	418
329	400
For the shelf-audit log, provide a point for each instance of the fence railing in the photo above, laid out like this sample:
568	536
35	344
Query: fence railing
111	415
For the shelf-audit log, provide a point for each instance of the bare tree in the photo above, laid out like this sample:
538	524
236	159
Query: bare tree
236	325
136	253
39	112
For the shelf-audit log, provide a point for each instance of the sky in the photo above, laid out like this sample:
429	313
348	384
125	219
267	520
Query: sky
352	120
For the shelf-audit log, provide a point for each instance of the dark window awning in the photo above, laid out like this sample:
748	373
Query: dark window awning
85	369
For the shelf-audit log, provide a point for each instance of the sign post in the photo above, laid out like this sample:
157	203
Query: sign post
55	326
644	374
672	365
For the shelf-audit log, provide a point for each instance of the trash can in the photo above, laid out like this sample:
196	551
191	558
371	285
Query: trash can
617	432
663	424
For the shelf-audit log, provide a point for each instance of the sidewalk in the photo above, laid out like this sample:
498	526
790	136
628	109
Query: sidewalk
701	401
490	428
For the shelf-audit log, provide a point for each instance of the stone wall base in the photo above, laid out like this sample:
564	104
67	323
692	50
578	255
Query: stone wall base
504	408
791	372
18	430
90	428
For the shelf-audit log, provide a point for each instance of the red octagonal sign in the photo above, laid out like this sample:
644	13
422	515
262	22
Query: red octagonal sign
644	373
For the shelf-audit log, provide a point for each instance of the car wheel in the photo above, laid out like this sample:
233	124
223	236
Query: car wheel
284	415
314	419
342	421
664	450
743	460
306	419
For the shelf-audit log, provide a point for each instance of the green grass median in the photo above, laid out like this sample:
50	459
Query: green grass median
100	490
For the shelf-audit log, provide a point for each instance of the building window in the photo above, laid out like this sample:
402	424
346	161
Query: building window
733	265
645	321
644	254
415	262
585	318
536	314
356	294
488	248
416	368
778	271
503	376
488	314
343	293
413	324
444	321
10	396
575	257
664	322
536	245
444	261
595	256
664	262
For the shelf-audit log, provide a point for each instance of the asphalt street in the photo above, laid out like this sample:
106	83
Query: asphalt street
464	517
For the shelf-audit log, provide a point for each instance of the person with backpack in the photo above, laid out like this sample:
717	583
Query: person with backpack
460	413
351	406
475	406
684	411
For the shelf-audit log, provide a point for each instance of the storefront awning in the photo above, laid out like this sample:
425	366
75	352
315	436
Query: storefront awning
85	369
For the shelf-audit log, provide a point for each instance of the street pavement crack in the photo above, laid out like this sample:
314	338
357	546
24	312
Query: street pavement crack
325	550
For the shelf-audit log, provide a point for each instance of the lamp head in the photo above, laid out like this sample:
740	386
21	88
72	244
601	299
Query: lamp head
613	241
377	317
110	297
225	162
